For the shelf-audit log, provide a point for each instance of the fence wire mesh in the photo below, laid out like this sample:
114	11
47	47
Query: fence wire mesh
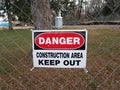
100	17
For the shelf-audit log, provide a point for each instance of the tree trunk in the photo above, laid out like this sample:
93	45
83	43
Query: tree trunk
41	14
9	9
10	21
79	10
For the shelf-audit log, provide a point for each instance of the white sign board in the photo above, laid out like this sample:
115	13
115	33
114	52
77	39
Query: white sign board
59	48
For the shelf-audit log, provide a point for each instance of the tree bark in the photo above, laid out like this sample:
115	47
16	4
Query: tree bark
41	14
10	20
80	2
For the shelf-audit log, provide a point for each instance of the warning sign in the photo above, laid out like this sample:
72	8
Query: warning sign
59	48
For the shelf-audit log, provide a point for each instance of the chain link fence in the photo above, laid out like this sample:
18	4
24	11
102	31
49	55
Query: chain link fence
103	55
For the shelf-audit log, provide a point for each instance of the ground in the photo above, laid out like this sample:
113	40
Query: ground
103	62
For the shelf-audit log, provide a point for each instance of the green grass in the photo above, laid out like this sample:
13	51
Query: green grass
93	85
16	60
14	45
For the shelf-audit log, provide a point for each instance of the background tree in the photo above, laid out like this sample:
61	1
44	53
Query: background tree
96	8
41	13
55	5
111	6
67	8
21	9
80	2
7	8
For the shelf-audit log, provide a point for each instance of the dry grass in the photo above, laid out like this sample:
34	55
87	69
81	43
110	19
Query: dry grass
103	63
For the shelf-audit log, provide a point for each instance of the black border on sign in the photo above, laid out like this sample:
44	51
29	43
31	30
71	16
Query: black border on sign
83	33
